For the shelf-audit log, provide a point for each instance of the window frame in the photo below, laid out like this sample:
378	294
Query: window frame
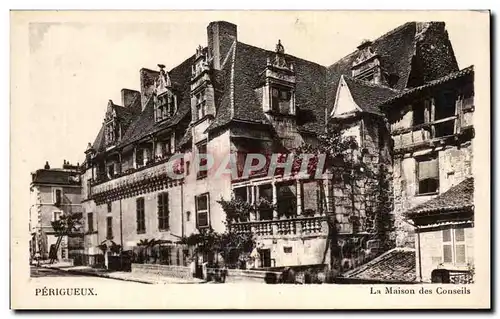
109	227
453	243
426	158
90	222
207	211
201	174
54	196
140	215
163	212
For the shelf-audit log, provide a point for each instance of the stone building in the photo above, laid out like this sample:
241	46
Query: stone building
231	98
54	192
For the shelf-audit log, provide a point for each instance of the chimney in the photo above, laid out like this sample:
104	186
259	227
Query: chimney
221	35
131	99
148	78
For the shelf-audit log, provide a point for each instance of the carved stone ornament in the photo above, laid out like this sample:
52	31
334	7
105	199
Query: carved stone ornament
162	83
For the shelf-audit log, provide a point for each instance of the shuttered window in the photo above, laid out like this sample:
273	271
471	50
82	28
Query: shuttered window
163	212
454	246
141	220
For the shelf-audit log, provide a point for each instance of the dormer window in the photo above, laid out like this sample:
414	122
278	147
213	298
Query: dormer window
165	106
164	99
201	105
278	92
111	126
366	66
281	100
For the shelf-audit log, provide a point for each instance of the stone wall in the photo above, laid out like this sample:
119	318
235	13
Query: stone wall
455	165
163	270
247	276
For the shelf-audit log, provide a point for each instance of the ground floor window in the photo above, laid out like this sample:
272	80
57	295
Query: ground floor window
454	246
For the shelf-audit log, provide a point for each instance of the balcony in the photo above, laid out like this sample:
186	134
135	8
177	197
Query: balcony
290	227
150	177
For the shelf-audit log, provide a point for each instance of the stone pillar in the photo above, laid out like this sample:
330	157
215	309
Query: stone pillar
275	210
299	197
134	157
275	200
256	194
251	196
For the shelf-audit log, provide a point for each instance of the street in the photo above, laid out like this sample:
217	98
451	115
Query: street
47	272
52	274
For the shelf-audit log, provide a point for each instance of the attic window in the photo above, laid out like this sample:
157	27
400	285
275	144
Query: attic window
281	100
112	132
165	106
368	77
201	105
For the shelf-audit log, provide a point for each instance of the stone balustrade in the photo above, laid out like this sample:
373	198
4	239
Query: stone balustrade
297	226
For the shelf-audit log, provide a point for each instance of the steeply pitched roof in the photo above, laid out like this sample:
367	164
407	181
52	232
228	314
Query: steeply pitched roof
449	77
395	49
56	176
458	197
143	124
396	265
244	75
369	96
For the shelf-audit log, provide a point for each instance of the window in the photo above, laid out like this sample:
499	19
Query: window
427	175
241	194
112	132
111	170
201	105
187	167
287	199
202	153
109	228
109	207
90	222
141	221
139	157
57	197
454	247
280	99
202	213
89	187
163	211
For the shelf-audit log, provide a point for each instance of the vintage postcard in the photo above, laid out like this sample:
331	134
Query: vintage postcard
250	159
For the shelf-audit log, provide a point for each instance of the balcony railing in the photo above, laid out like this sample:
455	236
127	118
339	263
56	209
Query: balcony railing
282	227
152	176
424	133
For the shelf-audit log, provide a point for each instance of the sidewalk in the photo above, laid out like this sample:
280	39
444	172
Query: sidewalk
122	275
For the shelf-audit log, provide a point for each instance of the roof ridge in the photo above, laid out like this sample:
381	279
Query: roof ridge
286	54
380	38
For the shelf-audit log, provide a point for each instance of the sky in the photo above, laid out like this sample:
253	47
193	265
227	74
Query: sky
79	62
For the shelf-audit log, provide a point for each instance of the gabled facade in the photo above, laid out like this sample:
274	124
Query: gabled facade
232	99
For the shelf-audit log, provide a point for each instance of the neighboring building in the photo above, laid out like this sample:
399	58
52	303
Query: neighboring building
432	152
234	98
54	192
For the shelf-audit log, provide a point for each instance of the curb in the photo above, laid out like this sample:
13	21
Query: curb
104	275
